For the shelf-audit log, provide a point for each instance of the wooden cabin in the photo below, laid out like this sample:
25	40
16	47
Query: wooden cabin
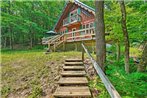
76	24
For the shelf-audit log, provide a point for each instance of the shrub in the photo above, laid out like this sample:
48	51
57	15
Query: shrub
131	85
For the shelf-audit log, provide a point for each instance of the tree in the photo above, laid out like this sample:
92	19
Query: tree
143	62
100	34
126	36
24	23
113	26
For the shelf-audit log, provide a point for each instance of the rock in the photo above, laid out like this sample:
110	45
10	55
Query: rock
56	78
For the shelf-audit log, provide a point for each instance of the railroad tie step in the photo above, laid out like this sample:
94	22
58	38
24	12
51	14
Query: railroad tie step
73	73
64	91
73	60
73	67
73	80
73	63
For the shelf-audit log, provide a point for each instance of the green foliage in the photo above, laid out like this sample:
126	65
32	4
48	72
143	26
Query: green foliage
97	85
24	22
136	21
131	85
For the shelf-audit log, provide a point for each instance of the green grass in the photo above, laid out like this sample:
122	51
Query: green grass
31	73
132	85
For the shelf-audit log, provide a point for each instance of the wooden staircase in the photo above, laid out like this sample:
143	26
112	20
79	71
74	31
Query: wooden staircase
73	82
55	42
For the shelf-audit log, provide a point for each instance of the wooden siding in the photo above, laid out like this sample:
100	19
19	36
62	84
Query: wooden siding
86	18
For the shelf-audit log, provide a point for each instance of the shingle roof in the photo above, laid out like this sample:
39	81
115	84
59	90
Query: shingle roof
86	7
77	2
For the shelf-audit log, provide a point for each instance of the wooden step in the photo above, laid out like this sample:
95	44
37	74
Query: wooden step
73	73
73	80
73	63
73	60
73	67
72	92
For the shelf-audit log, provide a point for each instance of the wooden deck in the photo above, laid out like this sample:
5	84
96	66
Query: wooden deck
73	82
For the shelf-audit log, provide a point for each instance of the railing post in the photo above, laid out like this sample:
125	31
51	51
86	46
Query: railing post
82	53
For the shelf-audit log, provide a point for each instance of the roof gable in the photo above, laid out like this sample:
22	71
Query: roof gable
69	5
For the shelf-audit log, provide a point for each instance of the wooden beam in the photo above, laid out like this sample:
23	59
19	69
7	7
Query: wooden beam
82	53
63	46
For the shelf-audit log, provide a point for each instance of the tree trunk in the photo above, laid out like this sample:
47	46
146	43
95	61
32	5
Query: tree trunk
10	29
12	35
143	63
125	33
100	34
5	42
31	37
10	38
31	41
118	51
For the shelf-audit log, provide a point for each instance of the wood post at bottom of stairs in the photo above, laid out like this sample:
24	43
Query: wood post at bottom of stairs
64	46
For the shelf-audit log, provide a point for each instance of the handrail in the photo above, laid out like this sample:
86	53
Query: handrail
57	37
54	38
110	88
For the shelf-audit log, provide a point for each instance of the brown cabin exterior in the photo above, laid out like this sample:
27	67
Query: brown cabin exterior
76	24
74	18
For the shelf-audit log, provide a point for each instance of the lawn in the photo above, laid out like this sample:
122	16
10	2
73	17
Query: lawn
31	74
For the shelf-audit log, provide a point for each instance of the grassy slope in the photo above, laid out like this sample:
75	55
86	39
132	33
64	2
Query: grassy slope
33	74
30	73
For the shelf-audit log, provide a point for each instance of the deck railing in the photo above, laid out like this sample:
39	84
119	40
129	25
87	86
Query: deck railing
108	85
45	40
71	19
82	34
79	35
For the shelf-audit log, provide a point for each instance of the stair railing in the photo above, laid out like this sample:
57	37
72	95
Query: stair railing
110	88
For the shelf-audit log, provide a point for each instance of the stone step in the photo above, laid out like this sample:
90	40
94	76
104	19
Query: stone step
82	91
73	80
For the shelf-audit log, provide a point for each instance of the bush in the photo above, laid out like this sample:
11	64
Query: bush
97	85
131	85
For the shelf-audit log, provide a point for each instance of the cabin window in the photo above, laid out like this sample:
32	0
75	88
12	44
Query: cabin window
83	26
91	24
87	25
64	32
73	16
